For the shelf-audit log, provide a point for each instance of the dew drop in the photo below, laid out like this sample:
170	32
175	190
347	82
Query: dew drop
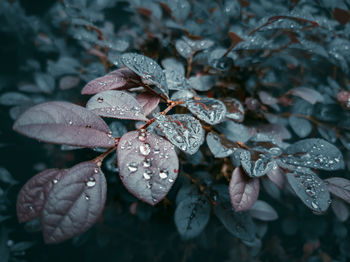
95	170
147	175
54	181
156	149
145	149
87	197
314	204
132	167
171	180
70	122
100	99
91	182
163	174
147	162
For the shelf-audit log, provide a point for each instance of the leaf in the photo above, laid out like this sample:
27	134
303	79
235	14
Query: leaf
314	153
116	104
202	82
122	78
219	146
239	224
175	74
14	99
310	189
340	209
308	94
276	175
147	69
45	82
6	177
32	197
149	102
244	191
191	216
148	165
198	45
74	203
183	49
234	109
64	123
255	164
234	132
68	82
210	110
302	127
184	131
339	187
263	211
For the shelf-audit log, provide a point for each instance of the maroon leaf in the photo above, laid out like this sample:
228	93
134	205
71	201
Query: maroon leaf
148	102
243	190
64	123
276	175
122	78
33	195
339	187
184	131
148	165
75	202
263	211
116	104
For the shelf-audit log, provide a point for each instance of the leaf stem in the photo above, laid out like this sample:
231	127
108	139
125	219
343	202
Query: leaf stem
98	160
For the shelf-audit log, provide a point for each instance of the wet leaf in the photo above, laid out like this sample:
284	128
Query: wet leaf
148	102
234	109
244	191
180	9
191	216
219	146
210	110
183	49
64	123
122	78
263	211
147	69
301	126
148	165
74	203
256	164
184	131
202	82
33	195
310	189
314	153
239	224
116	104
234	132
339	187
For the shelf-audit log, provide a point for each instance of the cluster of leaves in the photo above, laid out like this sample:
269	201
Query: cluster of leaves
251	95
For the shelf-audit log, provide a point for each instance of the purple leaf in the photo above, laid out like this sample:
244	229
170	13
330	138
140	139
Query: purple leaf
32	197
263	211
339	187
184	131
210	110
308	94
74	203
122	78
148	165
276	175
314	153
310	189
147	69
244	191
148	102
116	104
64	123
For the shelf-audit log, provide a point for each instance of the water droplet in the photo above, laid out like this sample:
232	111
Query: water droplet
310	192
95	170
314	204
171	180
147	162
156	149
100	99
91	182
145	149
87	197
178	139
132	167
163	174
147	175
31	208
54	181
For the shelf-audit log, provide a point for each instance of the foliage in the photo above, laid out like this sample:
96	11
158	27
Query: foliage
234	107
